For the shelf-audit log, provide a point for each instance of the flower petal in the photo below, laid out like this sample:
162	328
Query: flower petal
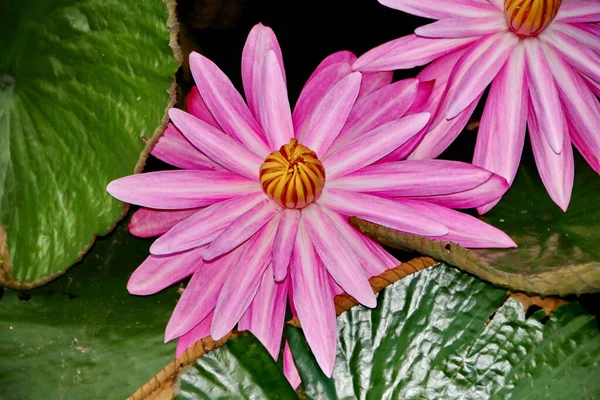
284	242
198	332
204	226
289	368
159	272
242	228
579	56
438	9
343	56
266	314
261	40
275	114
463	27
226	104
544	95
464	229
373	81
197	107
172	190
585	34
381	211
242	283
216	145
312	299
147	222
373	145
331	114
584	11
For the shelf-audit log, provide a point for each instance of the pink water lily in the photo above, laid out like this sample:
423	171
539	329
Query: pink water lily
258	214
542	59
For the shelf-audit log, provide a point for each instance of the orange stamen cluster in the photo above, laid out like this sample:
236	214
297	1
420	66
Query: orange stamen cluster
293	176
530	17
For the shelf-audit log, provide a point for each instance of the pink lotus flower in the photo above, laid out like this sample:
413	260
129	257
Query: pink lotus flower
258	215
542	58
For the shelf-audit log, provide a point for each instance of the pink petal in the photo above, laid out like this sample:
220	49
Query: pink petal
314	91
331	114
172	190
159	272
373	145
337	255
275	114
584	11
421	102
204	226
381	211
266	314
373	81
544	95
200	295
499	4
261	40
556	170
408	52
284	242
147	222
585	34
242	228
226	104
173	148
219	147
337	57
197	107
463	27
242	283
464	229
582	58
476	69
289	368
198	332
385	105
310	292
594	86
413	178
439	9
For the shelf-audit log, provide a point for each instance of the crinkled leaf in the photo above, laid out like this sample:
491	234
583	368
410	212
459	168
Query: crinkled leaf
81	83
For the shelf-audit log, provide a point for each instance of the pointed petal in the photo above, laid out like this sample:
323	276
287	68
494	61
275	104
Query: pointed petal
579	56
172	190
337	255
200	295
198	332
408	52
439	9
197	107
173	148
413	178
584	11
205	225
310	292
266	314
284	243
242	228
331	114
261	40
216	145
289	368
477	68
147	222
464	229
159	272
381	211
463	27
242	283
373	145
373	81
226	104
421	102
343	56
544	95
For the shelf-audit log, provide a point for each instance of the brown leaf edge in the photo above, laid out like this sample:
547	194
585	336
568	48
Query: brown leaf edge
6	271
561	281
161	385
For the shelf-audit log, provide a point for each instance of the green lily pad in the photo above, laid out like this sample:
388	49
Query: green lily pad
444	334
81	84
83	336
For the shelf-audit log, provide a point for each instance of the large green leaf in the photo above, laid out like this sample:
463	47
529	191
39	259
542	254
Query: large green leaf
442	334
83	336
81	84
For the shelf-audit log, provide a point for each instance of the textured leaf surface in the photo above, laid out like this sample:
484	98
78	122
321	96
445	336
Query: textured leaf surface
81	82
431	337
83	336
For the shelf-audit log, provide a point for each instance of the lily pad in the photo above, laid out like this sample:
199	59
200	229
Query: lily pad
81	84
444	334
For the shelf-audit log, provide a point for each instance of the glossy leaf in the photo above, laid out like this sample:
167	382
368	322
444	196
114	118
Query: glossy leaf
81	84
441	333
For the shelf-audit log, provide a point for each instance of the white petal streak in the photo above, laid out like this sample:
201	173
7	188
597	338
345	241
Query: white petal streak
577	54
463	27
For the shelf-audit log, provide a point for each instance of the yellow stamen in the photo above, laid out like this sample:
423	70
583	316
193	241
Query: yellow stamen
293	176
530	17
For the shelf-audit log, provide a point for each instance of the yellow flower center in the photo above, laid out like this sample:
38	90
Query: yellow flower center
293	176
530	17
